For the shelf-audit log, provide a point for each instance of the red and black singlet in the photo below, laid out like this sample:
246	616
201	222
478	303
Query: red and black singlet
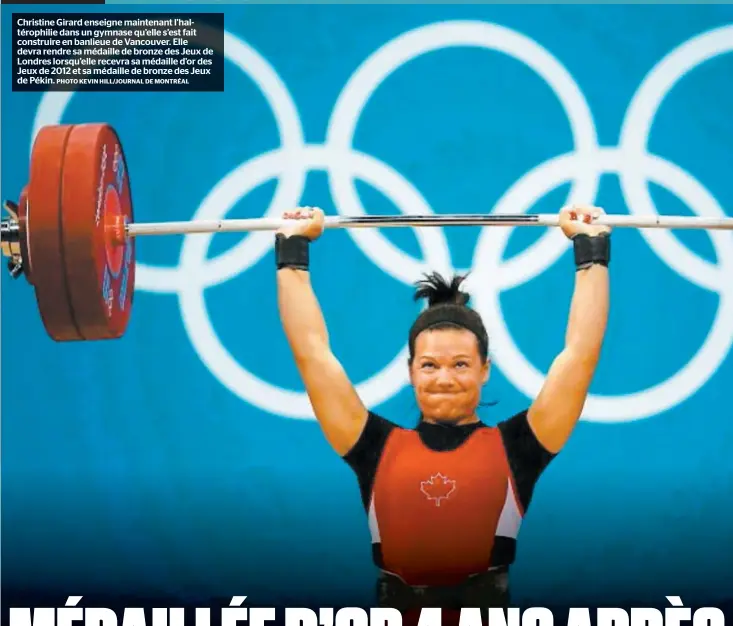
445	502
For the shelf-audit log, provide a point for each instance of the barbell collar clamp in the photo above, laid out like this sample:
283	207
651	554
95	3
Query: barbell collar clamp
10	239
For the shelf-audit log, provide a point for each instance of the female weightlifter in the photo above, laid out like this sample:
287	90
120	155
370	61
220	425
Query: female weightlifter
445	499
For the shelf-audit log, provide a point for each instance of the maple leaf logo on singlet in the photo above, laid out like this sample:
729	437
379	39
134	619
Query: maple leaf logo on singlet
438	488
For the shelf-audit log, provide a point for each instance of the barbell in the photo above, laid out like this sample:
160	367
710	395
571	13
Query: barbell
72	234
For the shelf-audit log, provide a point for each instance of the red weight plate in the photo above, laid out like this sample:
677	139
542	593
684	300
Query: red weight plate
43	231
95	204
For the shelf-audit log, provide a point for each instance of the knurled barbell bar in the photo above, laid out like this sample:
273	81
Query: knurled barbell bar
72	234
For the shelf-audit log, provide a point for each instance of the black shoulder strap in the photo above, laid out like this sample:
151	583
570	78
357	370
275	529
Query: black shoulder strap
366	453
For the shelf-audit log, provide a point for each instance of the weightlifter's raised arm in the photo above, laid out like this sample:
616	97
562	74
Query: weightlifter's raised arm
336	405
557	409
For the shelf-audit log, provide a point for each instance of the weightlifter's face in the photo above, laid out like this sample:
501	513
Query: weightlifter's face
447	374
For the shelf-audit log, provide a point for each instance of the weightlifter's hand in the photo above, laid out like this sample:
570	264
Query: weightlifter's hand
306	221
578	219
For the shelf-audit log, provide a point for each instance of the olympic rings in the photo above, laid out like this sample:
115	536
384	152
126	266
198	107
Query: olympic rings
411	45
230	373
582	167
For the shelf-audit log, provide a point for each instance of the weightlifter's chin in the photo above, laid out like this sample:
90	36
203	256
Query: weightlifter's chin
443	408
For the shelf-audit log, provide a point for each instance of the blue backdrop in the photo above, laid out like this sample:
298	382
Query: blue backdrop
183	458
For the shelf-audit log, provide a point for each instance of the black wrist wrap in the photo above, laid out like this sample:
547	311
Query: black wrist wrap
591	250
292	251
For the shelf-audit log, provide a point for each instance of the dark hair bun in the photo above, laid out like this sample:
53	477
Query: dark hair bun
436	290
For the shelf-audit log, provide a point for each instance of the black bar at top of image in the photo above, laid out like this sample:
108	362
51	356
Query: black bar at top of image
52	2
